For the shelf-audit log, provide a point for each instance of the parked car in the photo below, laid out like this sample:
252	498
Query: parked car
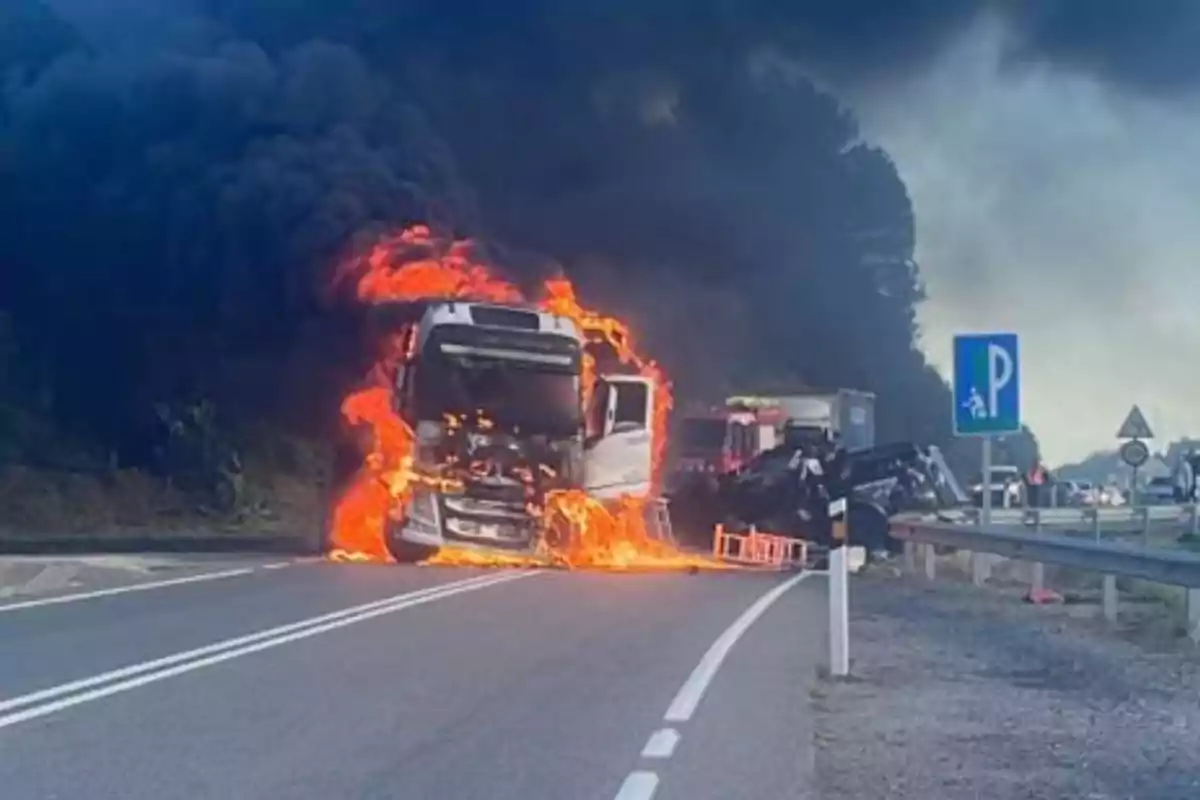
1158	492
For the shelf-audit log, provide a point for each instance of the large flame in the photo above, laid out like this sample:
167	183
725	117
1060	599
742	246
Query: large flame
579	530
560	299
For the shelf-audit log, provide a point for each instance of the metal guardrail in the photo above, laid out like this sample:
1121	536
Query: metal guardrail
1161	566
1171	567
1086	516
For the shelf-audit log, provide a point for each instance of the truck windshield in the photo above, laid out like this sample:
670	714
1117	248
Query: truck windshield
511	393
701	436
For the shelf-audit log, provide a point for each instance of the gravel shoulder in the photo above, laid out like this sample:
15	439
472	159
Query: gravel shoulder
958	692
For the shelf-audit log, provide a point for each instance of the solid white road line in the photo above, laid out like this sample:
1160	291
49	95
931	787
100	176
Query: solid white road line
639	785
692	691
191	666
74	693
136	587
661	743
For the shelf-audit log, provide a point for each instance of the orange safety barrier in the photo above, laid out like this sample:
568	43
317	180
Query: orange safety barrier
759	549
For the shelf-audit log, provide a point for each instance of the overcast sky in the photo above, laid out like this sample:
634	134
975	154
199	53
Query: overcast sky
1067	210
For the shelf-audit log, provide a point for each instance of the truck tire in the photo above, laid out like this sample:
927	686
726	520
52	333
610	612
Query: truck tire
407	552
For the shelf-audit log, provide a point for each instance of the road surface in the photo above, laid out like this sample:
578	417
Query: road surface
321	681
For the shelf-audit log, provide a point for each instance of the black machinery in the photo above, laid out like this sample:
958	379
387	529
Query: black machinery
787	491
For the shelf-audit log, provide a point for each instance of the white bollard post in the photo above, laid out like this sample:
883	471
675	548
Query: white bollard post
839	613
929	558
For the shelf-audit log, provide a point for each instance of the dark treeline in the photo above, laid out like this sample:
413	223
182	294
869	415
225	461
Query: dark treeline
176	190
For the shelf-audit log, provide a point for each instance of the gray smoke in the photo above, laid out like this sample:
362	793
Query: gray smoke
1056	198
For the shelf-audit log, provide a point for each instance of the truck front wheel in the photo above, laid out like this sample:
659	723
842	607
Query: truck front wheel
406	552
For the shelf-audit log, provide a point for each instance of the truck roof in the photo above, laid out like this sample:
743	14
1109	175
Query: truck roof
774	397
437	311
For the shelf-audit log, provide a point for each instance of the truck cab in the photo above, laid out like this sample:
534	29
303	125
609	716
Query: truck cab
493	395
720	440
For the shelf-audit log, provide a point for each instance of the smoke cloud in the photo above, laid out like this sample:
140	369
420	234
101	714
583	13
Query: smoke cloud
198	171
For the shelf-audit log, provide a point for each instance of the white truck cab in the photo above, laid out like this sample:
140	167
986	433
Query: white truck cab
509	378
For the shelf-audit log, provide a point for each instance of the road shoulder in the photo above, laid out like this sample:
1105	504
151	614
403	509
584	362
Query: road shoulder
958	692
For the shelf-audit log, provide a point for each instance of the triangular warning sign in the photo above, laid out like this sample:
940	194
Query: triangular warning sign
1135	426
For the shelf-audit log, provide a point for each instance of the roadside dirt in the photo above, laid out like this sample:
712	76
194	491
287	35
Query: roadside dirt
959	692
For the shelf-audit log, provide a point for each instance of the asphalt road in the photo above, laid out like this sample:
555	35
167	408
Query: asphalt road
324	681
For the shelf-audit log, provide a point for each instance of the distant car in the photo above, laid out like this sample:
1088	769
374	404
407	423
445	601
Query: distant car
1083	493
1005	485
1159	491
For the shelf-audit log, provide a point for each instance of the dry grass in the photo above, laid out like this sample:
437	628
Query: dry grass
276	498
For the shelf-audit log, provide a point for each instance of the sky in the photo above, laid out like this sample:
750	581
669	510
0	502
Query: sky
1064	207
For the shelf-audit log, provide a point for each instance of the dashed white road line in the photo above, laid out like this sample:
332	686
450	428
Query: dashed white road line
277	565
134	587
639	785
642	784
661	743
56	698
684	705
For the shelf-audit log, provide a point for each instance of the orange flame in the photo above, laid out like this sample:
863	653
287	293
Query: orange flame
560	299
414	265
579	531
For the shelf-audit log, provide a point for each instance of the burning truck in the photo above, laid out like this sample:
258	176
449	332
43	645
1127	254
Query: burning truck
494	397
494	430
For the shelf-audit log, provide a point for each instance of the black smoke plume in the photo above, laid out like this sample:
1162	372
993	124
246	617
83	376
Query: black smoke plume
175	198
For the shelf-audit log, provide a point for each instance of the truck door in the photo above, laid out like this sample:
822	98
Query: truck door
620	453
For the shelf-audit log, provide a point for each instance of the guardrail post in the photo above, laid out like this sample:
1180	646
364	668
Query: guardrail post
1110	598
1094	515
910	556
930	560
1145	512
981	568
1037	569
1195	521
1193	614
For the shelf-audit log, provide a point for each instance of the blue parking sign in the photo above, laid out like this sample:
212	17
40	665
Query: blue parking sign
987	384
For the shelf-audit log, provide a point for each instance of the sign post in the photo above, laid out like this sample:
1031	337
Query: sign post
987	395
1134	451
